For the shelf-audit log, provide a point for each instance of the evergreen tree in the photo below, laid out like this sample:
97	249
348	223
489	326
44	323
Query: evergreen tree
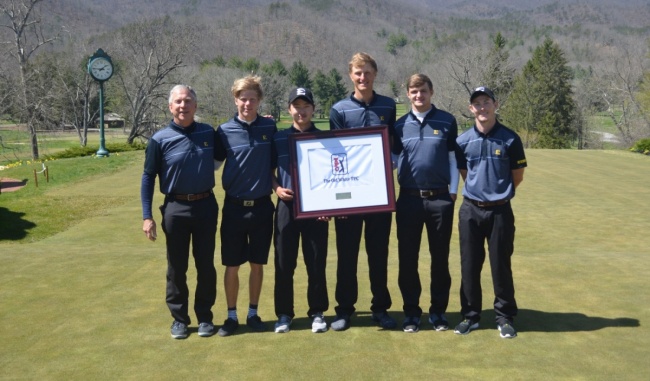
275	68
329	88
498	74
299	75
541	106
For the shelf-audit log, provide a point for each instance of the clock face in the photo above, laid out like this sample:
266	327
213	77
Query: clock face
101	69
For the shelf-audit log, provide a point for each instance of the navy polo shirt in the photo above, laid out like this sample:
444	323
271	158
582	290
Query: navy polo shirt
489	161
423	149
352	113
182	158
281	146
247	150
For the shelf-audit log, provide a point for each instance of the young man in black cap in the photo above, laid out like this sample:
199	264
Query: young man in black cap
491	161
288	231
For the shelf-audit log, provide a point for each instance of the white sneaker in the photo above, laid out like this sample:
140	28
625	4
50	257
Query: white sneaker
318	323
283	324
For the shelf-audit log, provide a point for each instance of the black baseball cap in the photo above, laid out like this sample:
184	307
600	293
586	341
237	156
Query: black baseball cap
481	91
301	92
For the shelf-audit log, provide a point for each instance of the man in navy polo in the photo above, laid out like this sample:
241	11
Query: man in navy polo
425	140
181	156
491	160
363	108
245	143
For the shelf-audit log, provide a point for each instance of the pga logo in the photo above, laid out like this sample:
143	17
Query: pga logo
340	164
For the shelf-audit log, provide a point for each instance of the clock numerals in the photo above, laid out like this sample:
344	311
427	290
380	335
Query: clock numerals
101	69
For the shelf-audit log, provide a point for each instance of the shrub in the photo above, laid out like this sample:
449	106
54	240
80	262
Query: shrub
89	151
642	146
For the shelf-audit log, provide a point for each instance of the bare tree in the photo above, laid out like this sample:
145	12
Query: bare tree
22	19
146	53
620	77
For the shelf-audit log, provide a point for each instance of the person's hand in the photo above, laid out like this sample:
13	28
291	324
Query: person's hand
323	218
453	196
149	229
284	194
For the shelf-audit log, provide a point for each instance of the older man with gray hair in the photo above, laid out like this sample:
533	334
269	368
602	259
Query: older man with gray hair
182	156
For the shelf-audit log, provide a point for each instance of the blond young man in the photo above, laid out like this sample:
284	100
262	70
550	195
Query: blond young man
363	108
245	143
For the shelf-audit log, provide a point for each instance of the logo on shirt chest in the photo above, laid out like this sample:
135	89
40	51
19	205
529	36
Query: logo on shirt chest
497	152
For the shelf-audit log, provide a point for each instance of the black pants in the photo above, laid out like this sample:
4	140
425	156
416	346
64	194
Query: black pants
348	239
314	250
413	214
196	222
495	224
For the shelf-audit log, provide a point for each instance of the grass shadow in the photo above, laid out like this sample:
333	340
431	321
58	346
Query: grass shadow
13	226
542	321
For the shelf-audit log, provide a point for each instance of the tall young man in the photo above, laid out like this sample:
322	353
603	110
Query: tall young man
181	156
288	231
491	161
245	143
425	140
363	108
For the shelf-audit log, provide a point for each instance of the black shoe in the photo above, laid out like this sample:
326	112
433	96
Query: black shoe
507	331
179	330
384	320
465	326
206	329
229	327
340	323
411	324
256	323
439	322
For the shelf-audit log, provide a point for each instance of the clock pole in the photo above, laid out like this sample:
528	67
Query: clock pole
102	151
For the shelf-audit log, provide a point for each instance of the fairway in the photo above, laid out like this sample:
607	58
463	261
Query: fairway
87	303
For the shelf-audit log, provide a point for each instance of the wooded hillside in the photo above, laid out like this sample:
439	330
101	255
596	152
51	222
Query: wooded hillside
605	43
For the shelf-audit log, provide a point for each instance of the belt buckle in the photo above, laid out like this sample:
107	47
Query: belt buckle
425	193
482	204
190	197
248	202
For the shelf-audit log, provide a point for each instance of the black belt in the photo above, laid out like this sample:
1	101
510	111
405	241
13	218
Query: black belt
487	204
425	193
191	197
241	202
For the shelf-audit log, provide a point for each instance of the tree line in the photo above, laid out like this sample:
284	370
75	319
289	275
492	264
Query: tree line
547	101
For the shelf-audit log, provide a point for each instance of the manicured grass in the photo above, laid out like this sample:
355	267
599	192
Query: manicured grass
87	302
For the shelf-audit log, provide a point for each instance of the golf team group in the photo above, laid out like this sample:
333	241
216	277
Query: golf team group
429	156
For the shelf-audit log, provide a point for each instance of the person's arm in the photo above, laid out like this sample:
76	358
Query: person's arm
146	194
152	161
336	120
453	171
220	152
517	176
284	194
463	173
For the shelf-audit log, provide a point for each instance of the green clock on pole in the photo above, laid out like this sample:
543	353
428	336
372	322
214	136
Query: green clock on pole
100	68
